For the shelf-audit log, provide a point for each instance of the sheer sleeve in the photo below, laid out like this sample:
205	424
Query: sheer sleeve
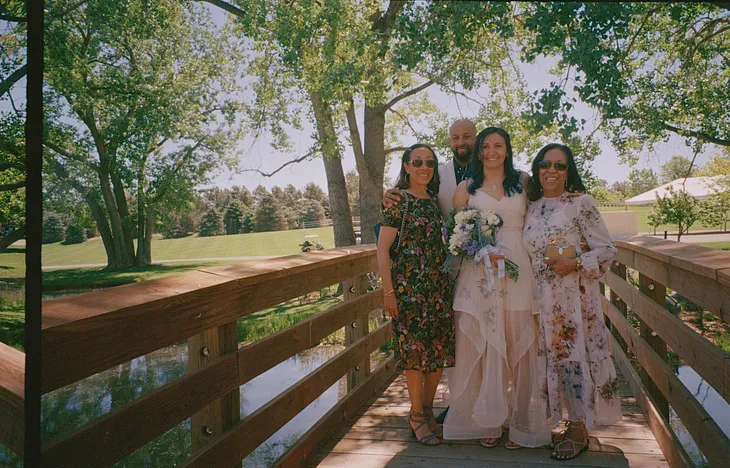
392	216
602	248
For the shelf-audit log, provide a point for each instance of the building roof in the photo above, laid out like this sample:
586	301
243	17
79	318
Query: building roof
698	187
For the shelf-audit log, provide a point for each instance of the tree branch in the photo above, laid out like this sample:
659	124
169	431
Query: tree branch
12	165
13	19
395	149
405	120
227	7
293	161
14	77
410	92
696	134
13	186
355	139
69	155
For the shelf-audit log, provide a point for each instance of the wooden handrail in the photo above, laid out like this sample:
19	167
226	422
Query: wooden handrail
86	322
12	398
85	334
703	276
113	436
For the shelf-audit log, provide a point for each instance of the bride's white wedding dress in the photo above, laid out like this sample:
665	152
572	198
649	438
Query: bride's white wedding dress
495	377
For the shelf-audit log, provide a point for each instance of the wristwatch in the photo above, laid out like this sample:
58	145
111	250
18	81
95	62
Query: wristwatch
578	263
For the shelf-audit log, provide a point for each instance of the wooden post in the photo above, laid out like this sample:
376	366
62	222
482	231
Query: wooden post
220	415
354	331
656	292
620	271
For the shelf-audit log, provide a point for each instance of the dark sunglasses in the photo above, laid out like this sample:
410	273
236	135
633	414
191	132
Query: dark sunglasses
419	162
559	166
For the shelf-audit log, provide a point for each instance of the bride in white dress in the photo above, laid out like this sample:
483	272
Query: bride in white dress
495	377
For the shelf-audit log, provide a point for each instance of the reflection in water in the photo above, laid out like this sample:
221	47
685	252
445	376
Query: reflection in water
9	459
713	403
68	408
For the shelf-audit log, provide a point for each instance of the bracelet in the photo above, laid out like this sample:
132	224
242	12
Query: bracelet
389	292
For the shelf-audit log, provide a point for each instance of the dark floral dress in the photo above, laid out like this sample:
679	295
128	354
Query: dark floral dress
424	330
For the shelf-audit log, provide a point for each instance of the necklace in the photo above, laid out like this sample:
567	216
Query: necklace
493	186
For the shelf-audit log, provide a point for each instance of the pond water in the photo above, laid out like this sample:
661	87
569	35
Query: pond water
713	403
75	405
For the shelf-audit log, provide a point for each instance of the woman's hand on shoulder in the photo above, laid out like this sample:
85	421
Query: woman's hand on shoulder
461	195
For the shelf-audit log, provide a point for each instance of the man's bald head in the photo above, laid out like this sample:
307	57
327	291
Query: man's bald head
462	135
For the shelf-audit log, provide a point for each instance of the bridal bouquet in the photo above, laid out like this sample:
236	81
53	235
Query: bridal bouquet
472	233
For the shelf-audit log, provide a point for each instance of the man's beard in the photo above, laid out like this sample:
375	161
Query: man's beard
461	158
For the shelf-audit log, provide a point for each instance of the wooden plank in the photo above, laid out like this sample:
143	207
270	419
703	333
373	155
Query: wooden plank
702	355
353	288
619	270
464	452
260	356
12	398
656	293
670	446
117	434
260	425
714	444
221	414
695	274
88	333
342	411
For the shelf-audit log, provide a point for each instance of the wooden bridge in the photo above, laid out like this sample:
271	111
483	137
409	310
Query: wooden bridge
89	333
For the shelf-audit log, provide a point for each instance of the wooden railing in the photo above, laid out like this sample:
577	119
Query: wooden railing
701	275
89	333
12	390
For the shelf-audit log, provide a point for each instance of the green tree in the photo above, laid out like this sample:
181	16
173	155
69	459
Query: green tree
650	69
641	180
211	224
75	234
678	167
233	216
138	106
53	228
678	208
248	224
269	216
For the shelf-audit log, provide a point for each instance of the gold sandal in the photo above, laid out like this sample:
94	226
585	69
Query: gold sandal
436	428
420	418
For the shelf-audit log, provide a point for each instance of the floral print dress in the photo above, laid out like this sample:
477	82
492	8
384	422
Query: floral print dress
424	329
573	349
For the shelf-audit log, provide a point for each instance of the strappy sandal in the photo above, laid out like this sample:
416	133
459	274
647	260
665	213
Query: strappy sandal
577	447
484	442
420	418
557	438
436	428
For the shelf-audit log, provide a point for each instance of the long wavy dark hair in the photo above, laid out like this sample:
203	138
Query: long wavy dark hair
404	181
572	184
511	183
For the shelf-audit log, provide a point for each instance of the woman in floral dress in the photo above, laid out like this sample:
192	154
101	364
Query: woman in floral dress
417	294
575	364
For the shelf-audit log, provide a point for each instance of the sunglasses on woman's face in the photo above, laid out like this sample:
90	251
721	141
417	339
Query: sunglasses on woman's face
559	165
419	162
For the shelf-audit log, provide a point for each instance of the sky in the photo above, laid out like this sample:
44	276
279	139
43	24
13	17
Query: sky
257	154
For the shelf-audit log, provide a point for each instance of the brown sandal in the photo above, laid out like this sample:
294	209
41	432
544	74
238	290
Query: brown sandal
436	428
427	437
577	447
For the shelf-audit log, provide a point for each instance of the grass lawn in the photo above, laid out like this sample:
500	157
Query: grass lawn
717	245
642	215
239	245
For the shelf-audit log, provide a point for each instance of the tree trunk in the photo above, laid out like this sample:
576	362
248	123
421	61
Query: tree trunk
336	185
144	236
371	183
11	238
122	257
97	212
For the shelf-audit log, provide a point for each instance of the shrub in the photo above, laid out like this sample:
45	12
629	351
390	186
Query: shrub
53	229
75	234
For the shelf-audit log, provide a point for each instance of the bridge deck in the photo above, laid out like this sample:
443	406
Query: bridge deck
379	437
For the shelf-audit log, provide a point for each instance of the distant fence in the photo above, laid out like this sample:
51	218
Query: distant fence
328	222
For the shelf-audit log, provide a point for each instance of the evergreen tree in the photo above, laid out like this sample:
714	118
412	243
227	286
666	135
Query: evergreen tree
53	229
211	224
247	224
233	215
269	216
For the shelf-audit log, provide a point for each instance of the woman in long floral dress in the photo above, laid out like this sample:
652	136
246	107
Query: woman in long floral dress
575	363
416	293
